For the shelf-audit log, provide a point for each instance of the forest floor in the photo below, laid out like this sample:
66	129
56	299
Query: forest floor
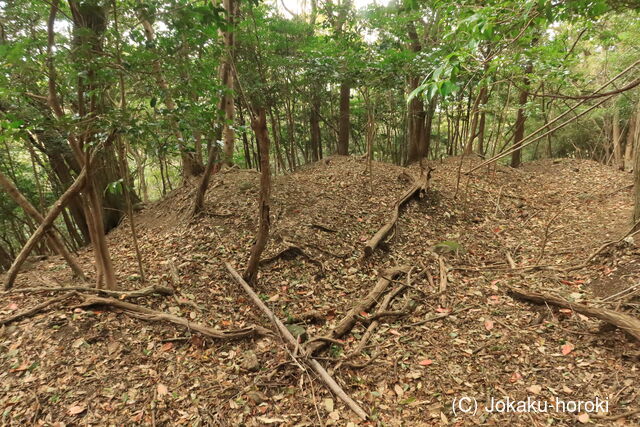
97	366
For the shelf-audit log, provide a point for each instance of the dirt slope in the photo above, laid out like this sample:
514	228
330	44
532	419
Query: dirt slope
98	367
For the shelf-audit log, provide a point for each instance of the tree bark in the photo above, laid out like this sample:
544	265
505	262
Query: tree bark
516	157
633	134
616	140
344	123
314	124
259	125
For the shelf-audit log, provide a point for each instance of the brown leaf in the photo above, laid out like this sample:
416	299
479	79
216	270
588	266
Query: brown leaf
76	409
567	348
162	390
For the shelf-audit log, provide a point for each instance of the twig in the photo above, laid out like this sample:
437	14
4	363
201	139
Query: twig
510	260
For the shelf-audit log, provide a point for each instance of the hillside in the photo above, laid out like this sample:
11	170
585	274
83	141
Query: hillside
96	366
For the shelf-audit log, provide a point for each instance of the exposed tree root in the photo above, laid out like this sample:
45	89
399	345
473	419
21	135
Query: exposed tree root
290	252
293	345
419	187
313	316
153	315
38	308
323	228
350	319
627	323
122	295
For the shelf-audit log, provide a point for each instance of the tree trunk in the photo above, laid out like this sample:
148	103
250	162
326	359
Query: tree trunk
56	244
45	225
5	259
314	124
259	125
636	186
616	140
344	123
516	157
227	79
633	131
190	165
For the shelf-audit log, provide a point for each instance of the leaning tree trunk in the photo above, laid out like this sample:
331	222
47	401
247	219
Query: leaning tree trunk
259	125
54	241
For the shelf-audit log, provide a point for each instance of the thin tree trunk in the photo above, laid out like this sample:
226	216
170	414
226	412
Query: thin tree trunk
314	124
344	122
516	157
616	139
45	225
227	79
54	240
259	125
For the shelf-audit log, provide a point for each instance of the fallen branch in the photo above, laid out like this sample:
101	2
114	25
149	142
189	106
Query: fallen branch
293	344
148	314
38	308
416	189
138	293
384	314
350	319
375	322
443	281
627	323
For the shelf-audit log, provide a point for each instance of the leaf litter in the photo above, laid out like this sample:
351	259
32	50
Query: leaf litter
74	366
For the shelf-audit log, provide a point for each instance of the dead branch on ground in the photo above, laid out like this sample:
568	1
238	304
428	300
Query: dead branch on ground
293	345
443	281
627	323
348	322
38	308
148	314
122	295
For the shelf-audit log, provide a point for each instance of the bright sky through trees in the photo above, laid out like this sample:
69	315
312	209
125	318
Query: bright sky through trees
298	6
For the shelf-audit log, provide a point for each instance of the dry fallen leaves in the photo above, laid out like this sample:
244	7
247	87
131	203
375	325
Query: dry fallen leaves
76	409
162	390
567	348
